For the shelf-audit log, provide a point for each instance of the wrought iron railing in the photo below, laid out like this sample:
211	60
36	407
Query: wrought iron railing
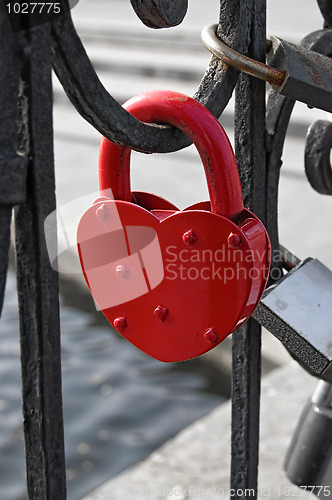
27	174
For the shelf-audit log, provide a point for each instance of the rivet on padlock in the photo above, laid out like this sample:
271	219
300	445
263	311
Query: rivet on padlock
211	336
199	272
234	240
122	272
120	323
161	313
189	238
102	212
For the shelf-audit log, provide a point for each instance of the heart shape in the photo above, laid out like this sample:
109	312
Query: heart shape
173	283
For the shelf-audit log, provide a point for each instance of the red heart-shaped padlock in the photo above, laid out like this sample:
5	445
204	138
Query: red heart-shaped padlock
174	283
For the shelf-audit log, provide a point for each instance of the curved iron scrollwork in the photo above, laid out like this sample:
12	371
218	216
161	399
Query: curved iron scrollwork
317	156
98	107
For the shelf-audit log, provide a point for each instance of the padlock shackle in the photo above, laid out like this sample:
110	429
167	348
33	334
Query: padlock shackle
199	124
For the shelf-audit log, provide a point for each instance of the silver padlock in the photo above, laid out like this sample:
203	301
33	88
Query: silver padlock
292	70
308	75
298	311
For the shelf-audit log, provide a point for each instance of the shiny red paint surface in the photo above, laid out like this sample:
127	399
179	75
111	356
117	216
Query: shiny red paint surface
174	283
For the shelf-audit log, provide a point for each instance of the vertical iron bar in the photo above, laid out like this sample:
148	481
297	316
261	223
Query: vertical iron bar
5	218
251	158
12	166
38	285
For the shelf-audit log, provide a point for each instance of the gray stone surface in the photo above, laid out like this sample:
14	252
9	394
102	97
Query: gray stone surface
196	463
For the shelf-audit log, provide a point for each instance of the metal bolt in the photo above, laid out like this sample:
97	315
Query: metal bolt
120	323
161	313
234	240
189	238
102	212
211	336
122	272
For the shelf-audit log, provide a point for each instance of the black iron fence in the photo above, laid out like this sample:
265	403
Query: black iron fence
27	57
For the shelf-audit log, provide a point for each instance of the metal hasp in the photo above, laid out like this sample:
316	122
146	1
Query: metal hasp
308	74
298	310
309	457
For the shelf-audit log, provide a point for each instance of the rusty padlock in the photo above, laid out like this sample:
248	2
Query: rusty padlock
174	283
293	70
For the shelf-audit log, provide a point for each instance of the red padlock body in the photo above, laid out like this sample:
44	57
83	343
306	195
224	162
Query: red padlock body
174	283
202	287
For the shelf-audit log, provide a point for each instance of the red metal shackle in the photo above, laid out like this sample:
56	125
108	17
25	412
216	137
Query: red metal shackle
199	124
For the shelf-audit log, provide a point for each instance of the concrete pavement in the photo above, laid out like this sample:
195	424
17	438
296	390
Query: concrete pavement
196	463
